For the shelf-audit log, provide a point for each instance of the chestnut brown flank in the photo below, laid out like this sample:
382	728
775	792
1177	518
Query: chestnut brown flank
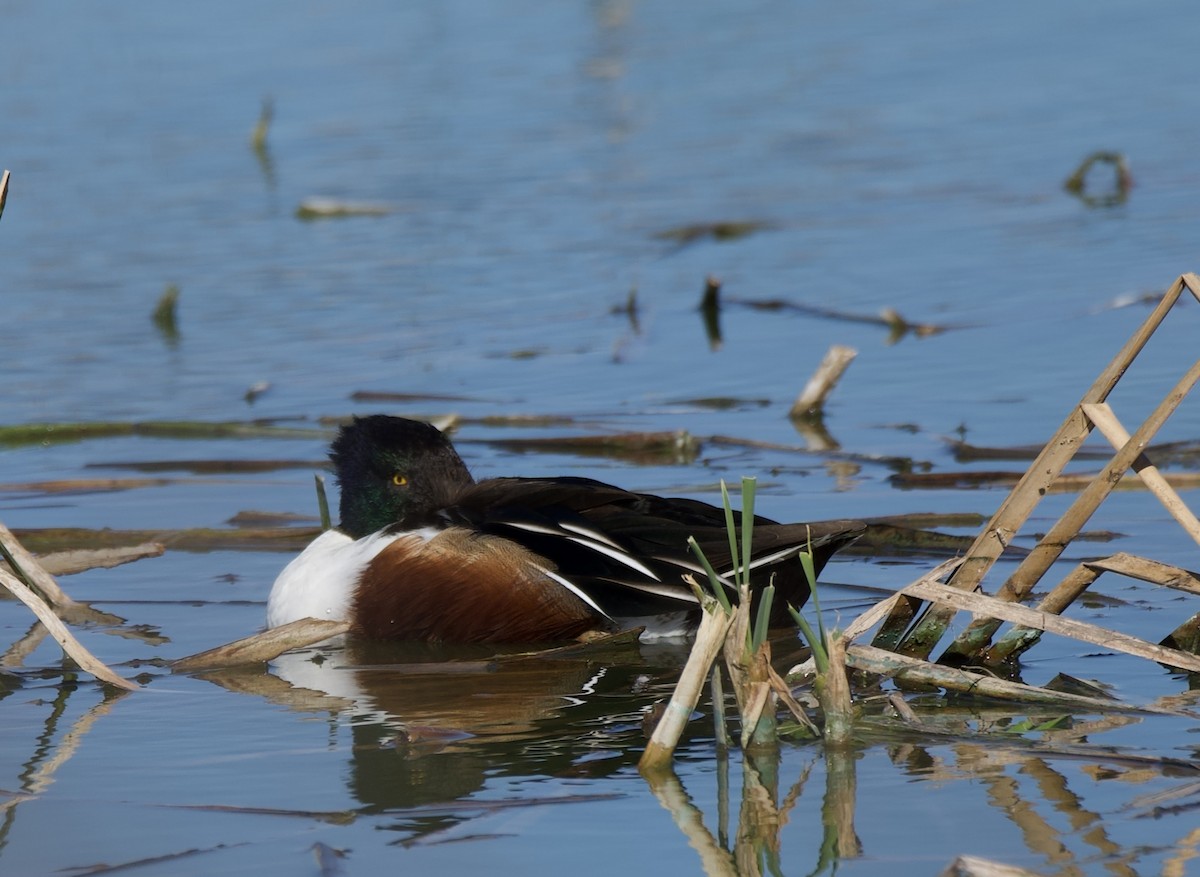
465	587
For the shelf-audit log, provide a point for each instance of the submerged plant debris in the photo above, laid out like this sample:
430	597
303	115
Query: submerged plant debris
165	314
55	433
1115	194
335	208
729	230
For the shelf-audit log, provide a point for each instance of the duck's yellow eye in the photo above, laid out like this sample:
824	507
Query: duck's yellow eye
399	479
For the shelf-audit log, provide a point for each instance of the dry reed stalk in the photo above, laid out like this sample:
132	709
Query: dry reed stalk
713	626
1003	610
263	646
63	563
1021	638
26	566
879	612
75	649
1040	475
833	692
811	401
889	664
1106	421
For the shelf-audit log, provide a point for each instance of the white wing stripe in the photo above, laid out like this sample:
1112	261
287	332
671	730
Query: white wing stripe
595	535
768	558
532	528
574	590
658	590
616	554
698	570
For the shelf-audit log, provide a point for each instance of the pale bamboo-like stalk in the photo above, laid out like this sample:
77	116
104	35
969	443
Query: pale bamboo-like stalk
914	670
263	646
73	647
713	626
833	691
812	398
26	565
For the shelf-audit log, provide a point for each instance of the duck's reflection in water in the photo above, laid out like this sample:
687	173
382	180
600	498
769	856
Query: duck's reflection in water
430	725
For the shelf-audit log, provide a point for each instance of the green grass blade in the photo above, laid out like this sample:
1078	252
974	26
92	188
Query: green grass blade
749	486
810	573
820	656
717	583
323	503
762	621
730	527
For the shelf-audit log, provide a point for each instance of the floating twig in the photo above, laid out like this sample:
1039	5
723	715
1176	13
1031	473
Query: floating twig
1004	610
888	317
914	670
64	563
265	646
332	208
196	539
384	396
718	231
53	433
198	467
1064	483
654	447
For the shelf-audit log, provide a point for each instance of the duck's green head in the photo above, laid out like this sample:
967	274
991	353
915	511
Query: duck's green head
394	471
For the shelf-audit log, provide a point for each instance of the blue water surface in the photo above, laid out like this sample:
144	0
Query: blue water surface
529	157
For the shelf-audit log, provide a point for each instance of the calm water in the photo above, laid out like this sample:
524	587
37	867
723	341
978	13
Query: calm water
529	156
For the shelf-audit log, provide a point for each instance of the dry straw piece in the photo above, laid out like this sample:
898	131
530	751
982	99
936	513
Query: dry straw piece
25	565
811	401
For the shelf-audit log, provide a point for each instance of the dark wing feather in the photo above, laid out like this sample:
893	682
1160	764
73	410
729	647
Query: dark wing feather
629	550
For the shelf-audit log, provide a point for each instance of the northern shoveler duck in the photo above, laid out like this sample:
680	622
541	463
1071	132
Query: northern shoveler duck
425	552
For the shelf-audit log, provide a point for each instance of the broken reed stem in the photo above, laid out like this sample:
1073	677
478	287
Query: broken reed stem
62	563
915	670
833	692
999	611
811	401
26	567
784	693
75	649
3	190
713	626
263	646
